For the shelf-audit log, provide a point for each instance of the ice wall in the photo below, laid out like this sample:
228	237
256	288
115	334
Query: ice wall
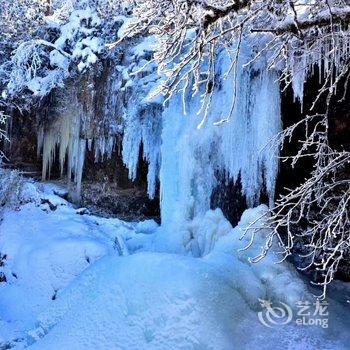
182	152
234	139
101	110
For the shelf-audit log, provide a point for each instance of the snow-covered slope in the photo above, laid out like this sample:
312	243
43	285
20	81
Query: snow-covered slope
46	244
162	301
77	281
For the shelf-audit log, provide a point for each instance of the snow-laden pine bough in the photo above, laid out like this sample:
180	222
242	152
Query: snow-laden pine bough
297	37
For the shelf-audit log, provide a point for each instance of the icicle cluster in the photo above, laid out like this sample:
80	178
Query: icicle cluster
64	134
238	146
184	156
101	114
328	53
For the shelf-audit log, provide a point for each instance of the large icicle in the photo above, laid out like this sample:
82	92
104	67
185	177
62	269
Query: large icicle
191	155
144	127
256	118
143	116
64	134
187	168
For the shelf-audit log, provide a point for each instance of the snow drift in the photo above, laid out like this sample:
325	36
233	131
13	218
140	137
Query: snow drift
83	282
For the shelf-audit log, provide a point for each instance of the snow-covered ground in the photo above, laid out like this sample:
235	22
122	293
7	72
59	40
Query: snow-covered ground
77	281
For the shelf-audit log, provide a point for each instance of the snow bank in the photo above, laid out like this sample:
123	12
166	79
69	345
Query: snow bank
81	282
45	244
145	301
163	301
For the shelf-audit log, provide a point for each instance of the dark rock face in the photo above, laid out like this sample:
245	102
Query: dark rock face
130	204
108	191
339	131
340	139
228	197
21	150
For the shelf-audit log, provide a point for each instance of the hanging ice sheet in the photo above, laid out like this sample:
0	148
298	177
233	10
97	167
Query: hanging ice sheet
247	99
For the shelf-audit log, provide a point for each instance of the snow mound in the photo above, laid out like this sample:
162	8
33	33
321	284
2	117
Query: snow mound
160	301
268	279
14	191
44	245
82	282
144	301
203	232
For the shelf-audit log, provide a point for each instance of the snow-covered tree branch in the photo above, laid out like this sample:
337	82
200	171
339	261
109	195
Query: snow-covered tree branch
301	33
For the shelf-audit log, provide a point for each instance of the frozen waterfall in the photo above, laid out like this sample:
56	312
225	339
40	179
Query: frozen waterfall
184	157
191	156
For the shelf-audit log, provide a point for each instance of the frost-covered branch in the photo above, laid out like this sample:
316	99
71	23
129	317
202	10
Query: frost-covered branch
3	136
190	33
312	220
333	15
